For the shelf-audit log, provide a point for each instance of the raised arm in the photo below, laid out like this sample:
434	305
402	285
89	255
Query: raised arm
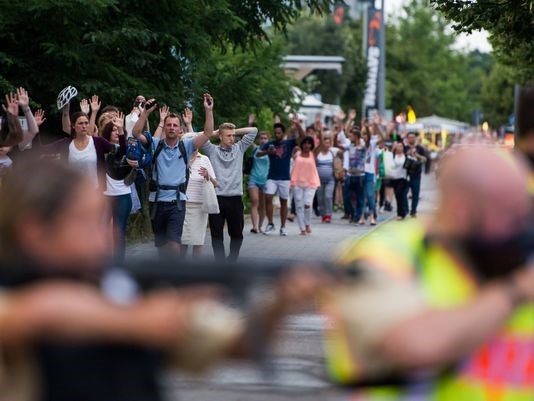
187	116
14	134
95	106
33	129
200	140
249	133
65	119
350	121
137	129
163	112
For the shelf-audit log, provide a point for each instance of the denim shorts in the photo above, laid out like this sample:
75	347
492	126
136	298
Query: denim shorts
254	184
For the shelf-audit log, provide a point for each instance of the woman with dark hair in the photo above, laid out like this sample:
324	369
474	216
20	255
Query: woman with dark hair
304	183
119	171
83	151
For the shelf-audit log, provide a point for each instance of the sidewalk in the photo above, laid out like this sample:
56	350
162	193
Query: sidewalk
320	245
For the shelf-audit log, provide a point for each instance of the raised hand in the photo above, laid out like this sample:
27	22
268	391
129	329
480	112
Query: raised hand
84	106
352	114
23	98
95	103
12	104
187	116
208	102
39	117
119	122
251	119
163	112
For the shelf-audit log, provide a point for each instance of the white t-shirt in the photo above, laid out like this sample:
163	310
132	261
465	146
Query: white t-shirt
116	187
195	188
85	159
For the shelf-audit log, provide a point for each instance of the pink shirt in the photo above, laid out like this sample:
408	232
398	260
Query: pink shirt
304	173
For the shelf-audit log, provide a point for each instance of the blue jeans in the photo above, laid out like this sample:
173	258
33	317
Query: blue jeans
354	186
415	187
121	206
369	190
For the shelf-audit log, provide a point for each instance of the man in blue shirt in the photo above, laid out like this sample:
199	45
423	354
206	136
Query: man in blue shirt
280	152
167	199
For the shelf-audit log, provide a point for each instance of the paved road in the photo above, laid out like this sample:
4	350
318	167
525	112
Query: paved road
298	360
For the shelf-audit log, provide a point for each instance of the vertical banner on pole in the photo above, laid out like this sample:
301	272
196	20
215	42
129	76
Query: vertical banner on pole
375	53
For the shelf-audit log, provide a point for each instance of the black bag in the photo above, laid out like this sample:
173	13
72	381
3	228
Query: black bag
412	165
116	165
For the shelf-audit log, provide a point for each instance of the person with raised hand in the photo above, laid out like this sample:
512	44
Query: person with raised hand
81	149
33	128
11	131
170	173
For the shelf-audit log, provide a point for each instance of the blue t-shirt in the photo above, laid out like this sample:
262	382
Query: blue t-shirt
171	169
279	163
260	169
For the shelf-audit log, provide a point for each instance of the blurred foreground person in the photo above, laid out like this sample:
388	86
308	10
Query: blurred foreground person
62	338
525	129
445	309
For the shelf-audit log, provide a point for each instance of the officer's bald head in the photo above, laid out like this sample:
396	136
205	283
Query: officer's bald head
483	191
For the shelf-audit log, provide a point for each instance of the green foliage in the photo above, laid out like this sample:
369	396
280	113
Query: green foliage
321	36
423	71
498	95
509	22
118	49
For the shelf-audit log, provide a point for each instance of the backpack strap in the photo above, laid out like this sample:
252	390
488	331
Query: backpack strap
181	147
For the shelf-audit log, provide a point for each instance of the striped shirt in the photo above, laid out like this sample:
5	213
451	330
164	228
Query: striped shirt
325	164
195	188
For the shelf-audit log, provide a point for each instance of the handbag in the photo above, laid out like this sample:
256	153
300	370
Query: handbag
210	204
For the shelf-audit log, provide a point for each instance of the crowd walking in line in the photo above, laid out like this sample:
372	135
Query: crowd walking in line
194	180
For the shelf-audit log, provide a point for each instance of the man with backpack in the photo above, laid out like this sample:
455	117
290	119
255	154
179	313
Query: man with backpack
170	173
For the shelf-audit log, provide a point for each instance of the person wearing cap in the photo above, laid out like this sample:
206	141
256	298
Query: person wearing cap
443	309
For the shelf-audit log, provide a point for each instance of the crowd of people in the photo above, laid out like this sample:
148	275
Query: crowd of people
312	169
439	309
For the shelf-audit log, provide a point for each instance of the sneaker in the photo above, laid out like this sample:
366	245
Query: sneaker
346	217
327	219
268	229
388	207
283	232
413	215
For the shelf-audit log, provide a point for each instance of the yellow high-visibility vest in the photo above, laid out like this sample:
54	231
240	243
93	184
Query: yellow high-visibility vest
502	369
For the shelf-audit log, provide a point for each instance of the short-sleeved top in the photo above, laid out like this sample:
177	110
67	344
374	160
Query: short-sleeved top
304	174
279	163
195	188
171	168
325	163
260	168
85	160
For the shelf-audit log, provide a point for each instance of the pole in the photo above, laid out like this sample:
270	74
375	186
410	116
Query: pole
382	66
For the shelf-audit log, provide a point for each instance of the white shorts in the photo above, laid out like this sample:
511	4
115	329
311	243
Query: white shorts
280	187
195	224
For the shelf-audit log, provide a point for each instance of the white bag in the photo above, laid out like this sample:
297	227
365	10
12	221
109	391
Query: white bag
210	204
389	165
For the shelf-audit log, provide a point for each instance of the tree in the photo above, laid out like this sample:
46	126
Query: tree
321	36
423	70
119	48
509	22
498	95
